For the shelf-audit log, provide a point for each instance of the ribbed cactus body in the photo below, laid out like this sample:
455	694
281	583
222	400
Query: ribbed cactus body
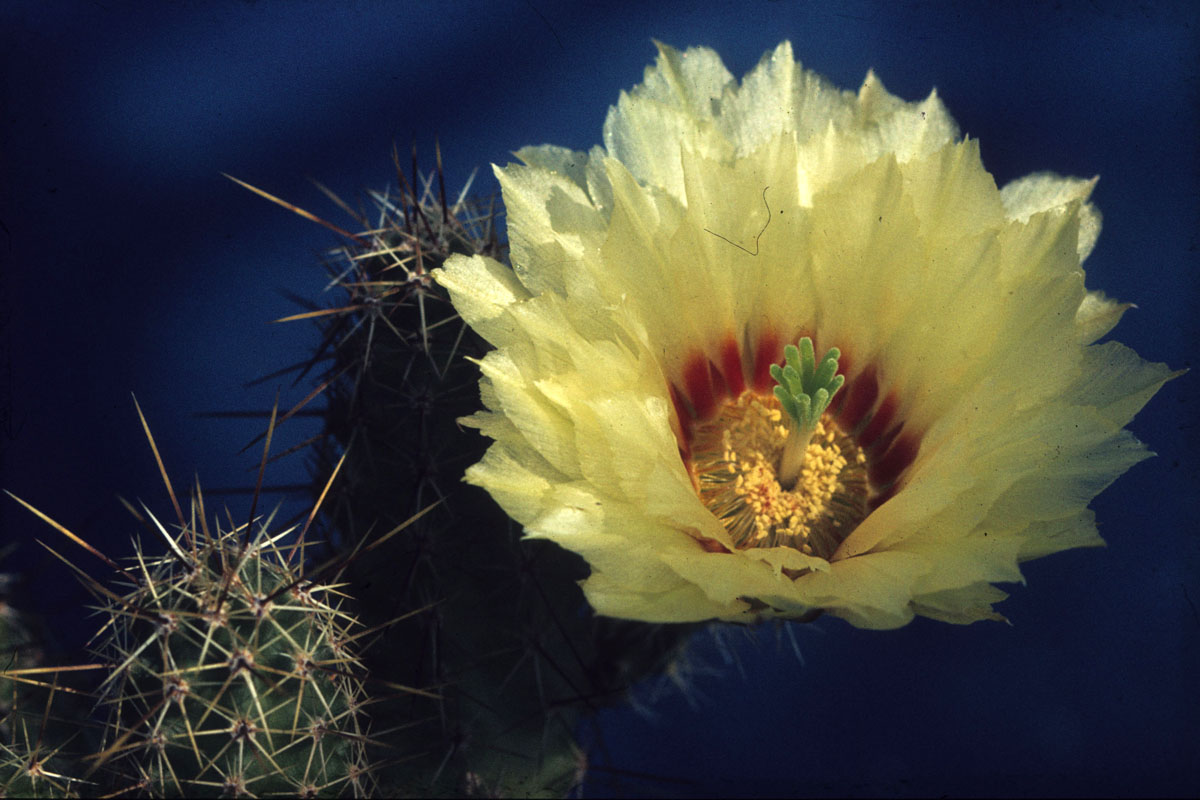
233	675
31	768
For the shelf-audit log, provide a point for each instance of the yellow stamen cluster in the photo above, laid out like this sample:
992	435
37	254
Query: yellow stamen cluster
736	461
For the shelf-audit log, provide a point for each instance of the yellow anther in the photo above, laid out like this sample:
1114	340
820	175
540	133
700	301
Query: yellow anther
736	458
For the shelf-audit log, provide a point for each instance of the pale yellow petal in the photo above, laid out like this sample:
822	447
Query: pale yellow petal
1117	381
672	600
906	130
552	225
952	194
873	591
1097	315
560	160
1055	535
649	125
1045	191
539	423
516	476
778	95
962	606
481	290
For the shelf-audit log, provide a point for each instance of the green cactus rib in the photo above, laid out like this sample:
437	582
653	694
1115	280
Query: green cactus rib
30	767
233	675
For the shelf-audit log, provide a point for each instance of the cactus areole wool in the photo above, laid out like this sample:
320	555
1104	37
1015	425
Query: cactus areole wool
655	397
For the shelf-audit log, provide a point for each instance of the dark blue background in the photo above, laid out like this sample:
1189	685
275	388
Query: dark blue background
130	264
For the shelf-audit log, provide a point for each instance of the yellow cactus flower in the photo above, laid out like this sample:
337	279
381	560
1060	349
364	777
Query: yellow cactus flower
646	415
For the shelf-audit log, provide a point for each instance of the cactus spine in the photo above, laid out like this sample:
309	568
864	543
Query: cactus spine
234	674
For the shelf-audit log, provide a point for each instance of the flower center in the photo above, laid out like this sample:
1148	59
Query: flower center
736	460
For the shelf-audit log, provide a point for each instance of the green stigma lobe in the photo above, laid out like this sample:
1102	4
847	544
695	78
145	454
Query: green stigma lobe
805	388
804	391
